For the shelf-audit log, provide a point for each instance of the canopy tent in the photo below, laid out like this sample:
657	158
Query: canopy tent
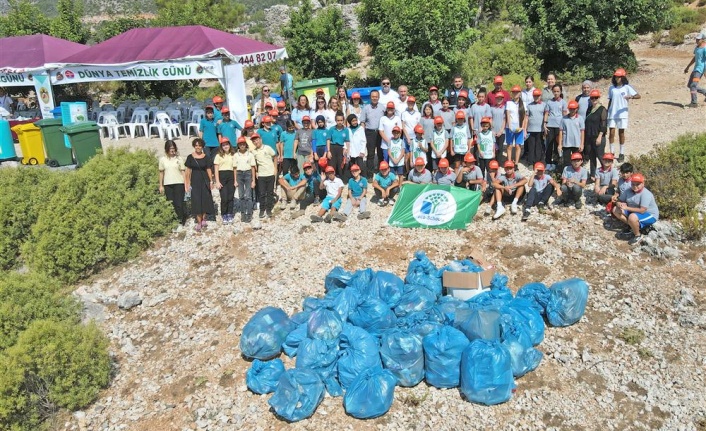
23	61
171	53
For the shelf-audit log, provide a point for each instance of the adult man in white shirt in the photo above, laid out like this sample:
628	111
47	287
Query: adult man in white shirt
387	94
401	102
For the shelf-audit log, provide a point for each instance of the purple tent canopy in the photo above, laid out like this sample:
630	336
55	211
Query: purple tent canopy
29	53
175	43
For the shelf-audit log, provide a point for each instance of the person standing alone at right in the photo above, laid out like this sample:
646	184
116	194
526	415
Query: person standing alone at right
699	62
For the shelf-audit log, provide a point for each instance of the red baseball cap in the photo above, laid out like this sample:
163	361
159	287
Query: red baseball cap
486	120
509	164
443	163
536	92
306	165
266	119
319	90
306	118
225	110
390	105
494	164
460	115
249	124
217	99
516	89
419	162
396	129
438	120
637	178
576	156
594	93
608	156
241	140
255	136
223	140
573	104
539	166
355	168
469	158
281	104
411	99
384	165
355	95
330	169
433	88
498	80
418	129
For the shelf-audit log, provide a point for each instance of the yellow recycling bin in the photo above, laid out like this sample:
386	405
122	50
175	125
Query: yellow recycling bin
31	143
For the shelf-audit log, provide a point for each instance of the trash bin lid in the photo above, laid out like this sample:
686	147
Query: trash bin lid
48	122
26	127
86	126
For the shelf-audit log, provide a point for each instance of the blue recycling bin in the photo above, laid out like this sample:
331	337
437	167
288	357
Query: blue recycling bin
56	112
364	93
7	145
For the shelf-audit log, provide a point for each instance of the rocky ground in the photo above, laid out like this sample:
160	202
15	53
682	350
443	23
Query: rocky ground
636	360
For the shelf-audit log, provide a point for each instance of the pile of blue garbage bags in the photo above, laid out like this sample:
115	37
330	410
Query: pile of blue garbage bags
373	331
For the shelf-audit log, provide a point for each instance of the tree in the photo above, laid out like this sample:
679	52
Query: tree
67	25
417	42
22	19
219	14
113	27
589	35
320	46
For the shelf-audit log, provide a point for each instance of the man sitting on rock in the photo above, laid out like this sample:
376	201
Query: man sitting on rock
637	208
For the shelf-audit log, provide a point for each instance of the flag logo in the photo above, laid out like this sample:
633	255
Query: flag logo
434	207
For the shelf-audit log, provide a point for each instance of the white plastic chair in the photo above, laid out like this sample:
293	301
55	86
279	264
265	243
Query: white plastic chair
139	121
153	112
100	119
110	125
121	113
164	126
107	107
196	116
175	115
166	100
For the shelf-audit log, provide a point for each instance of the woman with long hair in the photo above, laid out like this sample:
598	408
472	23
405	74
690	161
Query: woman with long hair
618	95
225	178
171	179
343	102
199	180
596	127
301	110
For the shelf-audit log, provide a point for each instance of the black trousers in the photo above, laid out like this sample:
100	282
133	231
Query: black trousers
534	148
337	159
551	144
287	165
373	143
266	192
499	147
175	195
227	180
393	192
534	198
593	153
608	196
571	194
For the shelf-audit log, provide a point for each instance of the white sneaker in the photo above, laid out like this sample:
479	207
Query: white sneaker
488	210
513	209
499	212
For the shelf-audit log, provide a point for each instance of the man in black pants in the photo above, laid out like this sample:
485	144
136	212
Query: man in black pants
370	118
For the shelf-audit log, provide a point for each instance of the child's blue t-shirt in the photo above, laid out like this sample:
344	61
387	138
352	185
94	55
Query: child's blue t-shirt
291	180
228	129
287	139
320	136
270	137
357	187
339	137
209	132
311	180
385	182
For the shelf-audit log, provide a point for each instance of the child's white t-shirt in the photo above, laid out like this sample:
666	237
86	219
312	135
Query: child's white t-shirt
333	186
618	103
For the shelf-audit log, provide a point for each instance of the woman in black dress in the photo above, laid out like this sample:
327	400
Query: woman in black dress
199	179
596	122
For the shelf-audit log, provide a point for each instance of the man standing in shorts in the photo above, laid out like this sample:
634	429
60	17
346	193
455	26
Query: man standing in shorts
699	62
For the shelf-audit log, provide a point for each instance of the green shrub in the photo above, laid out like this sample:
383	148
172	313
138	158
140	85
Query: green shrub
53	364
684	20
28	190
692	150
105	213
25	298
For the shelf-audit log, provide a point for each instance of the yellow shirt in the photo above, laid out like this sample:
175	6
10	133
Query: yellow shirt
244	161
264	157
225	162
173	168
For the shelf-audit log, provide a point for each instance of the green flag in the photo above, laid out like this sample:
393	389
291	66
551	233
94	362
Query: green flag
431	205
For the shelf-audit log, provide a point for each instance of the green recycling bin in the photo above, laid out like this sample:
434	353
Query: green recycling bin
57	153
309	87
85	140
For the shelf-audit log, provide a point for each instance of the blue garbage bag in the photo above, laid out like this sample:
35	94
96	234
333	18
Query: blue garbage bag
265	332
370	394
479	322
299	392
515	336
486	373
495	297
567	302
373	315
414	298
499	281
537	293
301	317
337	278
420	322
387	287
447	306
442	356
324	324
346	302
291	343
361	279
534	321
402	353
422	272
312	303
320	356
359	351
262	376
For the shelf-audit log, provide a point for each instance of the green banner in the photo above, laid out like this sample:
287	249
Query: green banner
435	206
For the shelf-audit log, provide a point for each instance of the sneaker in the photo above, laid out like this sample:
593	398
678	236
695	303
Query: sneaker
549	206
297	214
243	218
327	219
392	201
316	218
558	201
364	215
540	207
269	213
499	212
385	202
636	240
625	235
293	206
621	158
525	215
282	205
513	208
487	210
340	217
262	213
692	105
226	219
204	224
317	200
578	204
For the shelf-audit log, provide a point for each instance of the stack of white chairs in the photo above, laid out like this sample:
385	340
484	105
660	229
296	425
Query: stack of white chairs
196	116
165	128
139	121
109	125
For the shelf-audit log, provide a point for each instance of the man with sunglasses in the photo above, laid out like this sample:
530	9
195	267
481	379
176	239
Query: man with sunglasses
388	94
265	97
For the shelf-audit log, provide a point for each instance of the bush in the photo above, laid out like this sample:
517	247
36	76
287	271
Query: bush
692	150
103	214
28	191
684	20
25	298
53	364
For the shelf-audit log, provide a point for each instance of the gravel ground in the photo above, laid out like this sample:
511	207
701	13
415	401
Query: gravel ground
636	360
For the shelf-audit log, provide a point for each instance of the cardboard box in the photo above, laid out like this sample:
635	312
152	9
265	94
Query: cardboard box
465	285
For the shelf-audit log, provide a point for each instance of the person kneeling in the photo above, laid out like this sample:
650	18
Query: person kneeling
637	208
385	185
541	188
357	191
332	202
573	180
293	188
509	187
